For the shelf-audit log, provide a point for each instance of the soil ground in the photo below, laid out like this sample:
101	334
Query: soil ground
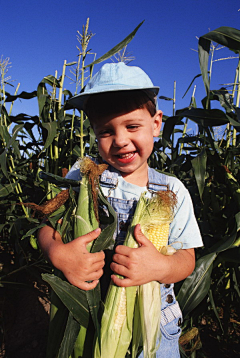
24	317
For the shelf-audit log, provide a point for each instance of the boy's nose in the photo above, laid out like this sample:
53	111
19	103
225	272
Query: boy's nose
120	140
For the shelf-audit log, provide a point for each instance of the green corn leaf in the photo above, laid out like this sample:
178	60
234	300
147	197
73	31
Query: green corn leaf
225	36
33	230
215	309
7	189
10	141
13	141
227	241
196	286
22	177
93	299
72	297
3	163
43	101
203	54
58	320
51	80
51	128
5	134
67	93
235	277
116	48
199	164
191	84
23	95
206	117
69	338
224	98
56	179
233	122
168	129
4	114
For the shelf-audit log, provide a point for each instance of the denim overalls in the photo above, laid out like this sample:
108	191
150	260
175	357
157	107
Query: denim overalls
171	315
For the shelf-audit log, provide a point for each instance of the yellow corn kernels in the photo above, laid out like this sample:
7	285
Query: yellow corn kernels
158	234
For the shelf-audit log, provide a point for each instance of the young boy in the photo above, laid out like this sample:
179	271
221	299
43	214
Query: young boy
121	104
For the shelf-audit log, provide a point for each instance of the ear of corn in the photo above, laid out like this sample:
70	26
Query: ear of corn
159	214
155	225
150	316
116	324
117	319
87	213
144	302
86	220
81	344
158	234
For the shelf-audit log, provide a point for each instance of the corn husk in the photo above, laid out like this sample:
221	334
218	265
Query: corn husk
142	303
159	211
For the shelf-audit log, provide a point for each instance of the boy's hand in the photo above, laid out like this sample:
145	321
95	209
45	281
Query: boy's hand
74	260
138	266
145	263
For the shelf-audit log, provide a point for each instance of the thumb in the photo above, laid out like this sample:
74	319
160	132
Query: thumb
86	239
140	237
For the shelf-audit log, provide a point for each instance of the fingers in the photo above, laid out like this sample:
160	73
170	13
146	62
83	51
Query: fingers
141	238
89	285
93	258
86	239
86	286
125	282
91	272
82	280
119	268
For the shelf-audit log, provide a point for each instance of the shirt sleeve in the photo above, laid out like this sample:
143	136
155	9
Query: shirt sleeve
74	174
184	230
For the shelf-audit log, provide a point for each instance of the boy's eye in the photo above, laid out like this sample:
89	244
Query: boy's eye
104	133
133	126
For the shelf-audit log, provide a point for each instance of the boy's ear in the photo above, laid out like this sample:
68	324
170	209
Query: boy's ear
157	123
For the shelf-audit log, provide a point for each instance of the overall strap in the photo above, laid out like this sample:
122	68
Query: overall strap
157	181
109	178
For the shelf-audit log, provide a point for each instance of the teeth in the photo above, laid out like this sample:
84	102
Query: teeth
127	155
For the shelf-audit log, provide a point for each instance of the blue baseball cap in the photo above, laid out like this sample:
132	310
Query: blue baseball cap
114	77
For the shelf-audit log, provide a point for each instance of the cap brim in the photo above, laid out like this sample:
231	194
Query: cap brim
79	100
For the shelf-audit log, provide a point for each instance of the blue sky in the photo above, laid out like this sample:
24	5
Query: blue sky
38	36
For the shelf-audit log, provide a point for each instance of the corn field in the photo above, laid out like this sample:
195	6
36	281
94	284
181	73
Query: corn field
37	151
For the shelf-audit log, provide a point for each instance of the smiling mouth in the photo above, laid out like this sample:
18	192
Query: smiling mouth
126	158
126	155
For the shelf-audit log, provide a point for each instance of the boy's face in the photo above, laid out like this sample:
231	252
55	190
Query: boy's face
125	141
